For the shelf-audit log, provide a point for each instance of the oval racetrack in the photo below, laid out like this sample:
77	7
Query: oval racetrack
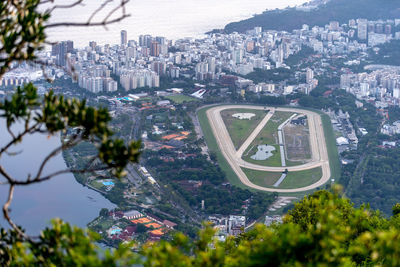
234	158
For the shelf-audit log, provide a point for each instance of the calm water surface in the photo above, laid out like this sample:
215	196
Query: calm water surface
173	19
35	205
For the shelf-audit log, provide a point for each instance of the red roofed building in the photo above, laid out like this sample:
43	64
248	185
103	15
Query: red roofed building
327	93
130	230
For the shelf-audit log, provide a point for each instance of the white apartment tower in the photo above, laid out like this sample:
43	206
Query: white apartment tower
362	29
124	37
309	75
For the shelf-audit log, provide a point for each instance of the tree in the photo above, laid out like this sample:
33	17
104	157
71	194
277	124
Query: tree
22	26
140	228
323	229
22	35
103	212
396	209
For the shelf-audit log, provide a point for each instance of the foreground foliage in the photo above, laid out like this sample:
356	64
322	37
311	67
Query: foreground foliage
324	229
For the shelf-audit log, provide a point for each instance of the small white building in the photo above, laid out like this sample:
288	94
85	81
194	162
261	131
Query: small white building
363	131
341	141
163	103
273	219
151	180
133	214
236	224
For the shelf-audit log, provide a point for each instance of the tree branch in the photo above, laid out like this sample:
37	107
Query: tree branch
86	24
70	143
6	175
6	213
78	2
10	132
89	22
48	177
17	139
104	4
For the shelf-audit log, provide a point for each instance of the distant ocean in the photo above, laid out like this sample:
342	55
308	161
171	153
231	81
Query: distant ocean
173	19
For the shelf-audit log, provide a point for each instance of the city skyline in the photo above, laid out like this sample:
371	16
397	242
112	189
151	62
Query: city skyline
174	20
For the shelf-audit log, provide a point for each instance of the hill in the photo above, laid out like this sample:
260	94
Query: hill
338	10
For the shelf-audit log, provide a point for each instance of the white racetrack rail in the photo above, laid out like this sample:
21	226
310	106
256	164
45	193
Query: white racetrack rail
234	158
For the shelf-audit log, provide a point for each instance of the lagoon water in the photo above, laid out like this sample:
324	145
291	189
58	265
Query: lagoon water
263	152
173	19
35	205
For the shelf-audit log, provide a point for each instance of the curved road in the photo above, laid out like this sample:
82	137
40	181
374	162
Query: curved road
234	158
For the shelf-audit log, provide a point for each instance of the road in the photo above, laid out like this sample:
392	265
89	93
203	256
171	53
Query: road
200	134
317	140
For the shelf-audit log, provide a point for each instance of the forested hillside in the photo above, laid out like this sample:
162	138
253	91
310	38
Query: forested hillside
324	229
337	10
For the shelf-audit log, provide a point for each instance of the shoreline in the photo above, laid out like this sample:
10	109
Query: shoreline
200	16
305	4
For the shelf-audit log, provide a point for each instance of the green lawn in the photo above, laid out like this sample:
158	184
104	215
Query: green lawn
269	135
239	130
145	99
265	179
213	148
330	143
97	185
292	180
105	224
333	154
274	160
234	180
334	162
294	136
301	178
179	99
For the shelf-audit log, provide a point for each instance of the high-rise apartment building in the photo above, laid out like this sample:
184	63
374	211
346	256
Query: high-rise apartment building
334	25
124	37
155	49
211	64
379	28
237	55
309	75
145	40
131	52
132	79
60	50
92	45
388	29
371	27
257	30
161	40
159	67
362	29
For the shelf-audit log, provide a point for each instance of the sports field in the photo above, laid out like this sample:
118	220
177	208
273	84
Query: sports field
300	176
297	142
292	180
179	99
238	129
269	135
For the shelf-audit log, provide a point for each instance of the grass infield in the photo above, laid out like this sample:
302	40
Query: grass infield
234	180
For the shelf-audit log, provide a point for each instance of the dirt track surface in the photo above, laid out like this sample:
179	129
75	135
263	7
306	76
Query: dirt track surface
317	140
